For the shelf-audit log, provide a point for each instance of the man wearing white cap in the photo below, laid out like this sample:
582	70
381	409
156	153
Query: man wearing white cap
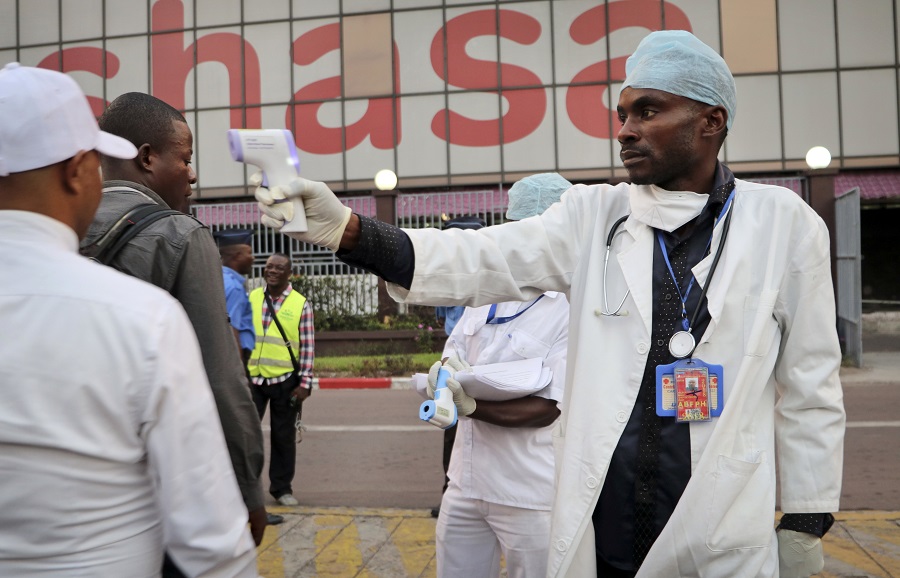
106	415
501	469
694	354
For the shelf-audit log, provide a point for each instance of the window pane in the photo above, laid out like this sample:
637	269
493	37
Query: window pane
367	55
756	134
749	35
810	113
869	112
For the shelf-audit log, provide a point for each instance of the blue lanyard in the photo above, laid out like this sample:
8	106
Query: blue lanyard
491	320
665	254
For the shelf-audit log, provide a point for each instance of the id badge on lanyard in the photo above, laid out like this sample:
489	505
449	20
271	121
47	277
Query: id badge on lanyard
689	390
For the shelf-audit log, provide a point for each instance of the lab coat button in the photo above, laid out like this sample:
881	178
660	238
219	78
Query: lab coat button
641	347
591	482
561	545
621	417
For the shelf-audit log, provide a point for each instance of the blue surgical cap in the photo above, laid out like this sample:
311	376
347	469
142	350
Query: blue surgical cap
677	62
532	195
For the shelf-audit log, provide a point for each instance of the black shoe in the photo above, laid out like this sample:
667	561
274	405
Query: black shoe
274	519
435	512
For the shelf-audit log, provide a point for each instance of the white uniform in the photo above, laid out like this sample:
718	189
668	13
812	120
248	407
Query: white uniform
107	423
772	328
501	479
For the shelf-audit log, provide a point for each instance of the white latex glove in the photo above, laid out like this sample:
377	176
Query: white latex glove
452	365
326	216
465	404
800	555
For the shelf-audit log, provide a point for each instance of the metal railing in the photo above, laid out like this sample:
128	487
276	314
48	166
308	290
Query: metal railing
419	210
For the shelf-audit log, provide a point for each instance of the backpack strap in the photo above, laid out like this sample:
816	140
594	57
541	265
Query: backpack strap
104	249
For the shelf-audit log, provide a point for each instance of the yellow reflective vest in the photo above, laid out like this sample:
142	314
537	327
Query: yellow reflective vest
270	357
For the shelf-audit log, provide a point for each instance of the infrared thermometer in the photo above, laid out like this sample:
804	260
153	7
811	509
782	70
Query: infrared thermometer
274	152
440	411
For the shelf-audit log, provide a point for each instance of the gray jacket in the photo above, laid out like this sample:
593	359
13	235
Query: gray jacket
178	254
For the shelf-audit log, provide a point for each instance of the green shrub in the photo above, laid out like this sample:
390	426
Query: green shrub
400	365
338	307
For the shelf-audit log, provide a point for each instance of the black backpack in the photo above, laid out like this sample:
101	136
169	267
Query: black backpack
105	249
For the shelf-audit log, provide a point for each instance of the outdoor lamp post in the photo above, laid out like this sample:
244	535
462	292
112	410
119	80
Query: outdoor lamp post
818	158
385	180
820	195
386	210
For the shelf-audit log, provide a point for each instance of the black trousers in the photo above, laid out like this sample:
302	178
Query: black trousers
282	418
449	438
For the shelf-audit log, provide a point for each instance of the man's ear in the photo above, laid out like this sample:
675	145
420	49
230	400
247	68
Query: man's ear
145	157
716	121
76	172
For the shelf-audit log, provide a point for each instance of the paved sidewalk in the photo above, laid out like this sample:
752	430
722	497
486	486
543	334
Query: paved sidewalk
390	543
396	543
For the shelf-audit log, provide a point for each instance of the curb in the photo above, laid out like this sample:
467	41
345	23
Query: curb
362	383
354	383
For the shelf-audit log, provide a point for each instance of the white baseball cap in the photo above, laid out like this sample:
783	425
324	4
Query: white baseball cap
45	119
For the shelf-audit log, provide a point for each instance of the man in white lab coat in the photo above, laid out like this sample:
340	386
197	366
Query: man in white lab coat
501	469
648	484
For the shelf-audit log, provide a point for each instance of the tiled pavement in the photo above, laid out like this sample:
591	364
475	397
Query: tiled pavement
391	543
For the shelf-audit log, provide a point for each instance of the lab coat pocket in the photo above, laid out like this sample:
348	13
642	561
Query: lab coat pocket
527	345
742	506
760	325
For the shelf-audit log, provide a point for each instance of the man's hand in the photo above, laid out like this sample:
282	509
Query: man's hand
452	364
326	216
301	393
258	524
465	404
800	555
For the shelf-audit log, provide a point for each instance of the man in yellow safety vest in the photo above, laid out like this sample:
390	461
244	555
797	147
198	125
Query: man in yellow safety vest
281	367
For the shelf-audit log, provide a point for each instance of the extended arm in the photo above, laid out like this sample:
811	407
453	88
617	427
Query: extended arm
390	253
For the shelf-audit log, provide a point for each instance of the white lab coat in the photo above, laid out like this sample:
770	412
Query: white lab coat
772	328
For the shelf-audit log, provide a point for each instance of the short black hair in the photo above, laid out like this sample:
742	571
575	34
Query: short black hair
285	255
140	118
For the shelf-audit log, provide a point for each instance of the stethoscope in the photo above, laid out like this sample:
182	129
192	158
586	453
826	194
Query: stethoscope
609	239
682	343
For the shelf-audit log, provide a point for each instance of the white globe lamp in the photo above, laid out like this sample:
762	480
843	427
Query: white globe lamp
818	158
385	180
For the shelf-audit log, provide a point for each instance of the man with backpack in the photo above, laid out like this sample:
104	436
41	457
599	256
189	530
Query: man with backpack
178	254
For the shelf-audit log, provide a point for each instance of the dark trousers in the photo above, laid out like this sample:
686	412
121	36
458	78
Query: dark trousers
449	438
282	418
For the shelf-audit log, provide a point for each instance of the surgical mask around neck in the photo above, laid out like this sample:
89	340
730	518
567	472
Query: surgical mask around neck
662	209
